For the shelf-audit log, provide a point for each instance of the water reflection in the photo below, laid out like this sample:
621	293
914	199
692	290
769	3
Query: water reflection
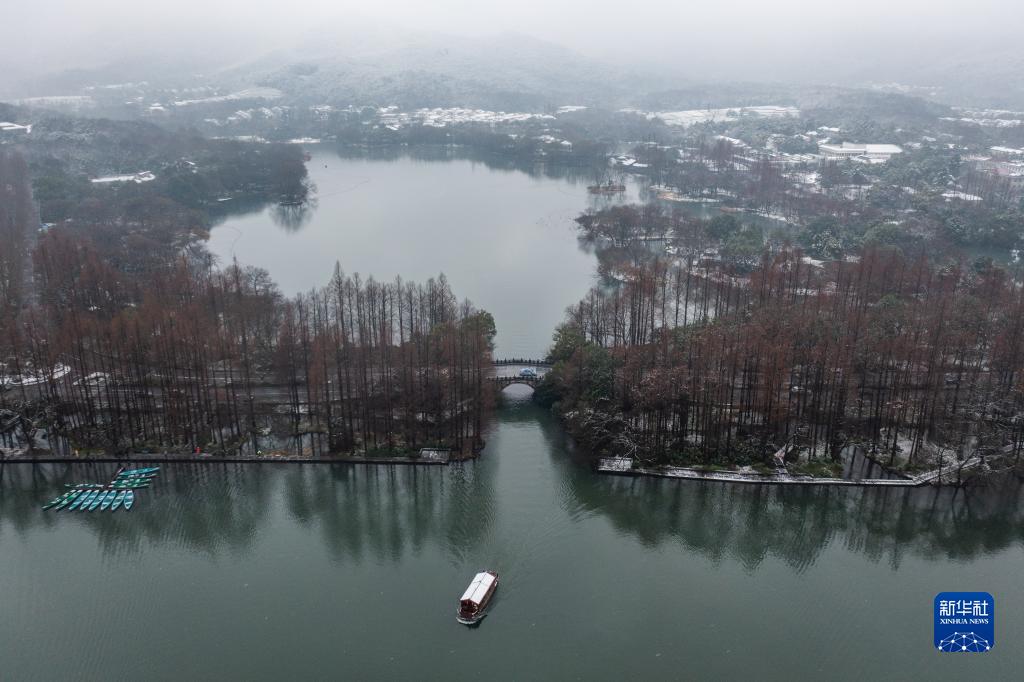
586	173
747	523
293	217
387	514
486	224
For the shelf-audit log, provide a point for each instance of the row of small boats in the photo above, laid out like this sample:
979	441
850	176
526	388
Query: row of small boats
85	499
120	492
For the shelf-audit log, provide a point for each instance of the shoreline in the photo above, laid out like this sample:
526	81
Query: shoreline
442	458
622	466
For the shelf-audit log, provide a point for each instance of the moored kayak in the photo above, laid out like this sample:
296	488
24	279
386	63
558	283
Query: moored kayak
89	499
69	499
136	477
118	499
129	499
147	470
79	498
57	500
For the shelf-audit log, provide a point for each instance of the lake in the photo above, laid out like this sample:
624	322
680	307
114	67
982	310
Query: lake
505	239
264	572
286	571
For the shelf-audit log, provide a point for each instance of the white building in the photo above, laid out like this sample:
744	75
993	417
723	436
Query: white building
872	153
8	127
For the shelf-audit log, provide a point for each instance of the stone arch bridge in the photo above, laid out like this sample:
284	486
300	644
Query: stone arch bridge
511	371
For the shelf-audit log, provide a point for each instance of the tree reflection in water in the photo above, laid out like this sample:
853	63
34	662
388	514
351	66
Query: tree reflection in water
385	514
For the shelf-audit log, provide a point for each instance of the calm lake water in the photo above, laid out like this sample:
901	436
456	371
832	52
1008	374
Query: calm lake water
269	572
505	239
273	571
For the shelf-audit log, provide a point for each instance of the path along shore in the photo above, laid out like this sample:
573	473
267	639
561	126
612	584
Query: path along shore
623	466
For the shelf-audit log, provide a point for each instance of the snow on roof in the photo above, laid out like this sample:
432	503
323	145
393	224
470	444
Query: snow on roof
962	196
860	148
731	140
477	589
143	176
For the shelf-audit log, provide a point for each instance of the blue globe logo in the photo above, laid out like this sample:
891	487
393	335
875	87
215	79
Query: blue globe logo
964	642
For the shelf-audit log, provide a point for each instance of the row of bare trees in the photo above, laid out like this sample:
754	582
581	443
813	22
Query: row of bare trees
184	355
684	361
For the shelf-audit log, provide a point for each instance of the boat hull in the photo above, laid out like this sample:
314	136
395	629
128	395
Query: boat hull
475	620
477	598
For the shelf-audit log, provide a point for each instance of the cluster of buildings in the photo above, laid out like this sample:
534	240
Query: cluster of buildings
1005	165
865	153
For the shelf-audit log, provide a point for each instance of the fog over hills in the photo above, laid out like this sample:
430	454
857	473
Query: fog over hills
519	60
428	69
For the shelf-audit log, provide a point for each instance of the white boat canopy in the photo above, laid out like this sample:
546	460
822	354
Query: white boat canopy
477	589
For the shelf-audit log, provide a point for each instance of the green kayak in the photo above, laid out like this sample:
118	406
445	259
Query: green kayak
79	499
57	500
88	500
68	499
93	503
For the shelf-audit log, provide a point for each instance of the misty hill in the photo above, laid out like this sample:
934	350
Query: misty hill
381	65
507	71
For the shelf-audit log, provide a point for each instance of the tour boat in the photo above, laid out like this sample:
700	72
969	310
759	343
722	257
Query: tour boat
476	598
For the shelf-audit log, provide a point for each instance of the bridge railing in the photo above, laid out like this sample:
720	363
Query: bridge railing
521	361
507	381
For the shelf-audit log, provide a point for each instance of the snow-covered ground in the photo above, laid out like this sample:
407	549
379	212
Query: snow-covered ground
33	378
987	122
248	93
439	118
70	101
691	117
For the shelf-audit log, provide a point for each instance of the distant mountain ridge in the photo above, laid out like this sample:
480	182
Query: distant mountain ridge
382	65
429	70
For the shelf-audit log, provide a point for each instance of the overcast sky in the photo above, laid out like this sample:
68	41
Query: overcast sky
767	36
